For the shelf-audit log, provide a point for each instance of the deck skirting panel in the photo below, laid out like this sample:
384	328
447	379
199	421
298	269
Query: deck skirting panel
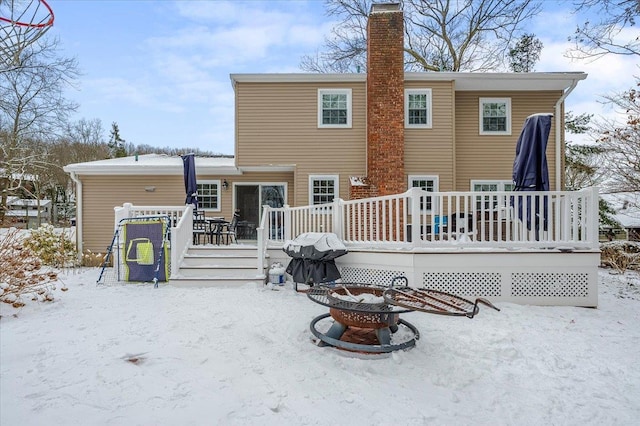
536	278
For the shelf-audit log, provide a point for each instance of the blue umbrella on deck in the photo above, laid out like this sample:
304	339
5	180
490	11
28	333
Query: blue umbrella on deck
530	169
190	182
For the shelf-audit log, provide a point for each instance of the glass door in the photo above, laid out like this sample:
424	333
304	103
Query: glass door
249	200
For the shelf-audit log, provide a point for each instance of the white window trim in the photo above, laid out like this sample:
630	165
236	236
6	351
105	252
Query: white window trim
507	101
335	178
504	211
500	182
429	123
219	197
436	188
349	108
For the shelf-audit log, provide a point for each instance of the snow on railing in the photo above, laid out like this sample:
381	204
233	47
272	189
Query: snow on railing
417	218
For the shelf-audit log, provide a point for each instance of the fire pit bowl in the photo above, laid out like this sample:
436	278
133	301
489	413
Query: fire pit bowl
375	309
355	306
372	310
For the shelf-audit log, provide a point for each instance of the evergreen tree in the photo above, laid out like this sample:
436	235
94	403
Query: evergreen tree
583	164
116	143
525	53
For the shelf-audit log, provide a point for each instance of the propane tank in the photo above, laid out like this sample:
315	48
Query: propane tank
276	274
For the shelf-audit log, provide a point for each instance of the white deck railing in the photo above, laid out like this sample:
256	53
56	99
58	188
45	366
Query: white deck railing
417	218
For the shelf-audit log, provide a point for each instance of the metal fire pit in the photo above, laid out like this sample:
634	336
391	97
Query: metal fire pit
377	308
350	305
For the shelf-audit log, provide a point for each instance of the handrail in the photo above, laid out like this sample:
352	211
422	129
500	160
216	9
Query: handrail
415	219
262	238
418	218
181	237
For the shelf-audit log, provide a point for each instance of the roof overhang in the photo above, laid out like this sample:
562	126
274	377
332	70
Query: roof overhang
149	171
504	80
464	81
269	168
152	165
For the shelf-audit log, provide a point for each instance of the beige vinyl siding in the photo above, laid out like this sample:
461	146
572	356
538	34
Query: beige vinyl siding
431	151
285	178
277	123
491	156
102	193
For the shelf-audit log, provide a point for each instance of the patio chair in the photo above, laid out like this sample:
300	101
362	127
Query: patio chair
200	227
228	231
462	225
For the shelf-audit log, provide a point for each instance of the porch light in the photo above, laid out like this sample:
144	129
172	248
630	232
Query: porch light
225	184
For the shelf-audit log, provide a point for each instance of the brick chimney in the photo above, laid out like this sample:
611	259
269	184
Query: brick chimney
385	102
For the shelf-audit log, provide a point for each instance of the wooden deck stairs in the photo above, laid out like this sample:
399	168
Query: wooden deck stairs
219	266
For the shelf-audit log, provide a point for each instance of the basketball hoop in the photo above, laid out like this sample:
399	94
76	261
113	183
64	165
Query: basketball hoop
22	22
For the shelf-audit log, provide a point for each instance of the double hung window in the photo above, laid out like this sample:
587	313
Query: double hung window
426	183
487	202
323	189
209	195
334	108
417	107
495	116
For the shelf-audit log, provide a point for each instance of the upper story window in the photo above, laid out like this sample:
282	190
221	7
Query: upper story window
334	108
426	183
209	195
417	108
323	189
495	116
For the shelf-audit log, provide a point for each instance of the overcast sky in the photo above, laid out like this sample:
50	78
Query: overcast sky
160	69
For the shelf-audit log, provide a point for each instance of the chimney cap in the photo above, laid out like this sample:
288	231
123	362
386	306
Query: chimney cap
385	7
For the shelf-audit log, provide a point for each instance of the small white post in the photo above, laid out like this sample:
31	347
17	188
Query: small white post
287	223
337	218
414	195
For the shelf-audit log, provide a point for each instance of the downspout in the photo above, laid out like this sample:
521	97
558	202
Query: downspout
560	132
79	238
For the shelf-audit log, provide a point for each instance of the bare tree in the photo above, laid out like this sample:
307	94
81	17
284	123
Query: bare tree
85	131
440	35
621	142
605	34
32	109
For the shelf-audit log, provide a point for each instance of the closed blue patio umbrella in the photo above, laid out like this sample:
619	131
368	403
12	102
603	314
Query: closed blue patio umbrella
190	182
530	169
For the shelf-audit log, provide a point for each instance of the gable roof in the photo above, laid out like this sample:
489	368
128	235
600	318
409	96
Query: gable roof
464	81
153	164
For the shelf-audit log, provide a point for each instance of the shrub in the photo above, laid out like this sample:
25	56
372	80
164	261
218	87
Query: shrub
22	273
620	255
91	259
54	249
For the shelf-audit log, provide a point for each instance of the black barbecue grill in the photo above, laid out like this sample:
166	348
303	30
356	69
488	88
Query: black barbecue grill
313	257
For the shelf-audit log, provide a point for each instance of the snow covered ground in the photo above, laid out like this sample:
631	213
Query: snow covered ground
135	355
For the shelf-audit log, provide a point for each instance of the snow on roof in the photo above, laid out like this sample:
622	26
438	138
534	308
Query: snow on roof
160	164
15	201
23	213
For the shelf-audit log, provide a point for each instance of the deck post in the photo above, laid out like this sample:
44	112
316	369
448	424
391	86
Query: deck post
337	218
414	194
594	218
287	223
